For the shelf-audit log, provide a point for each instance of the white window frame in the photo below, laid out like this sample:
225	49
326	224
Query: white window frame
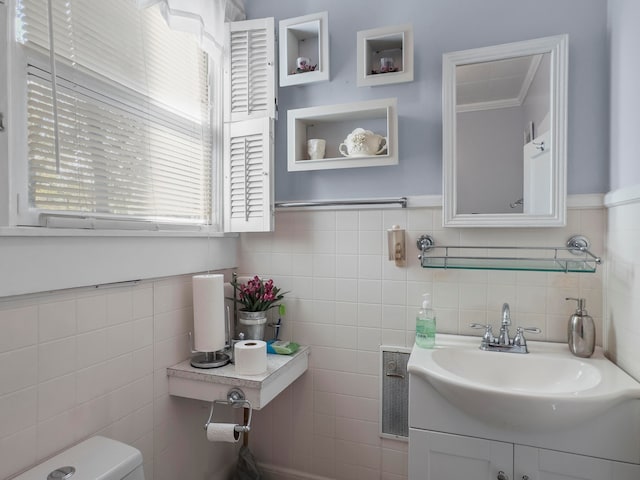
36	259
7	121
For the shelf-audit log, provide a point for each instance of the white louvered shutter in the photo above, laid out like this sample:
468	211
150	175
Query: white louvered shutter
250	109
250	70
248	179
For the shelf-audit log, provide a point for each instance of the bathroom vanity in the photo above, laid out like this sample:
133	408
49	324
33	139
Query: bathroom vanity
545	415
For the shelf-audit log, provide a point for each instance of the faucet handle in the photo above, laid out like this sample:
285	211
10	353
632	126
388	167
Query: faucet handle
519	339
529	329
487	327
488	332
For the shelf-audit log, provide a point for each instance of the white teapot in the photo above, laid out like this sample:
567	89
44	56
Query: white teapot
363	143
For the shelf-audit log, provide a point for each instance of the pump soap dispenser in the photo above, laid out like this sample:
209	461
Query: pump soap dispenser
582	331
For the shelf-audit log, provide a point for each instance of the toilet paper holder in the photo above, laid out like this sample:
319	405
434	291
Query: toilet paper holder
237	399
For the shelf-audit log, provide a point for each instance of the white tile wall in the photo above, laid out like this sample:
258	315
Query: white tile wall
623	287
82	362
346	299
107	350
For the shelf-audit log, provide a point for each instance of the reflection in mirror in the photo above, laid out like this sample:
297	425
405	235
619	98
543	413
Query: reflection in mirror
500	108
504	115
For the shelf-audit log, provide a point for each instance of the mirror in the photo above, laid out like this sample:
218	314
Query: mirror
504	135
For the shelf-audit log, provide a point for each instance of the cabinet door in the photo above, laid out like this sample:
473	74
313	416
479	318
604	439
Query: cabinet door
538	464
441	456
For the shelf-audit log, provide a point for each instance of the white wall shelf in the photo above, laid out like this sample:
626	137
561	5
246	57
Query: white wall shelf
213	384
333	123
306	37
394	43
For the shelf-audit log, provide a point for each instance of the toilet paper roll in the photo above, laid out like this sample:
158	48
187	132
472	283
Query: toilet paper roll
208	313
222	432
250	357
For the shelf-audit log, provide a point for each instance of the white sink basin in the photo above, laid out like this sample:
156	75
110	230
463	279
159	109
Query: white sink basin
544	389
516	373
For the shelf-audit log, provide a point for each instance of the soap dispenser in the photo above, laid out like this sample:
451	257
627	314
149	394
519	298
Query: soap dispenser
426	324
582	331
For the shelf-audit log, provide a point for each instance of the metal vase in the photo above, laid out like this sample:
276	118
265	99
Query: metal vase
252	324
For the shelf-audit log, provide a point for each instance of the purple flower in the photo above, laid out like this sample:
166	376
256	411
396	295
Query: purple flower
256	295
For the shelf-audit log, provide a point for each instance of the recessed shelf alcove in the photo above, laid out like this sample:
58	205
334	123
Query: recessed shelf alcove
385	55
333	123
304	37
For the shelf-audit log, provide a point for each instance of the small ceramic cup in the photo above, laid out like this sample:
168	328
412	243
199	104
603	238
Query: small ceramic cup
315	148
386	64
302	62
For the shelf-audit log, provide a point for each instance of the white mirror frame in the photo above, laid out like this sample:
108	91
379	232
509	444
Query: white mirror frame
557	46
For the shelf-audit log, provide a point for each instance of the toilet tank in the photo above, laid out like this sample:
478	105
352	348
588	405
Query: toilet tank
97	458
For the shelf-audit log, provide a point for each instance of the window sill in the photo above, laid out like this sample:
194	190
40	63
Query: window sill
39	259
82	232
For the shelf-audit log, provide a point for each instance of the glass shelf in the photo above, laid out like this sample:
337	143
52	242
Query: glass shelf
573	258
523	264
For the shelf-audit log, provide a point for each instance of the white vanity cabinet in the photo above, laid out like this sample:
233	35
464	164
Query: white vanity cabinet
541	464
470	428
442	456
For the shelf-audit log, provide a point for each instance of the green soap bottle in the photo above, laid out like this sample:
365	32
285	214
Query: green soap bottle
426	324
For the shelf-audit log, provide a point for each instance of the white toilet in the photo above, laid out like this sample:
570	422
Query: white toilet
97	458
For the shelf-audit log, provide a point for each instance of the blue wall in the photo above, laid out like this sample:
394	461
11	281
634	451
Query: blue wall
442	26
624	20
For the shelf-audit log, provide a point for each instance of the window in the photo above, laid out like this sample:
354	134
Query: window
125	131
111	95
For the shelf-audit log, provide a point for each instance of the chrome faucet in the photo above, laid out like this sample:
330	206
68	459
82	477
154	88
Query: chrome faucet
503	343
503	338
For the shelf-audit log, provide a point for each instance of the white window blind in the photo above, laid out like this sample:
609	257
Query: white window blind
132	99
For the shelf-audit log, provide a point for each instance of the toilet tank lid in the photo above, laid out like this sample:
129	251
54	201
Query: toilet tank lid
97	458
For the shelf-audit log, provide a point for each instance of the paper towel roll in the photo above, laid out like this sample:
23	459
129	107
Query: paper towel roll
208	313
222	432
250	357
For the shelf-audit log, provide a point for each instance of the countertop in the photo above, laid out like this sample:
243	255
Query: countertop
213	383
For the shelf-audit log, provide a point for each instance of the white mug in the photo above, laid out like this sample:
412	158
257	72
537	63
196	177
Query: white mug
315	148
